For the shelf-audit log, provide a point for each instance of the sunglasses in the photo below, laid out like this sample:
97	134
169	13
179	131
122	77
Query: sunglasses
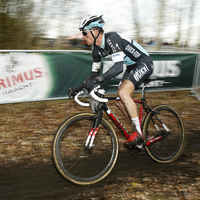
85	32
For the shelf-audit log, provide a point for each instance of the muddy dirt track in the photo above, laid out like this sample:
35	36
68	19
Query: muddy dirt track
134	177
43	182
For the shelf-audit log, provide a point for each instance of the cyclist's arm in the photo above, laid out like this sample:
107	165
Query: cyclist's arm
92	75
96	65
117	56
116	69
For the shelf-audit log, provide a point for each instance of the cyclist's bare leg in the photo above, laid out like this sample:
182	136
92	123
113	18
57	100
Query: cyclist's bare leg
124	92
121	107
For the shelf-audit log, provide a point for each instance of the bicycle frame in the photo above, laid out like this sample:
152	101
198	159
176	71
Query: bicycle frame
111	115
98	109
114	119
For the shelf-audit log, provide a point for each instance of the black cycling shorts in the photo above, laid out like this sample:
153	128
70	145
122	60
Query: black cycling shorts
138	72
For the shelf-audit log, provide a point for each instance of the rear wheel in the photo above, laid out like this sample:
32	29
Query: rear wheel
167	149
73	161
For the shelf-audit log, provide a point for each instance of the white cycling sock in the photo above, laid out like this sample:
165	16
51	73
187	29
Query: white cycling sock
136	123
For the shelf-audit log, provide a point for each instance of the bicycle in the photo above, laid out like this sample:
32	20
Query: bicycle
85	146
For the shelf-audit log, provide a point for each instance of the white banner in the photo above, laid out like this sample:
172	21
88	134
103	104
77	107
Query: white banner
23	77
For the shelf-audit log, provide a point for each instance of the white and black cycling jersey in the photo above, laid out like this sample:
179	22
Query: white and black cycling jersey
121	50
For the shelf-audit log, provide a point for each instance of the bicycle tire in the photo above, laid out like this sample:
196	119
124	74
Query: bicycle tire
84	167
170	148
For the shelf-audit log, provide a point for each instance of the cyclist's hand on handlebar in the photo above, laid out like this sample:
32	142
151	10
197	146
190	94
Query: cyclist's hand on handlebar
74	91
92	83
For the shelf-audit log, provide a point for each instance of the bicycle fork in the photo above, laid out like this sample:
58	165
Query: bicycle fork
90	138
93	130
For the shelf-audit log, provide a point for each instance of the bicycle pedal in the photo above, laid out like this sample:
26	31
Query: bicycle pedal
140	145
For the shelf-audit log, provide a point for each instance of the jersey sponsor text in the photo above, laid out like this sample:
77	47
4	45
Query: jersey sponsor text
130	49
139	73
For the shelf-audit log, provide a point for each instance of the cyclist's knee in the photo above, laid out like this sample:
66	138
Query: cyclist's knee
121	94
124	94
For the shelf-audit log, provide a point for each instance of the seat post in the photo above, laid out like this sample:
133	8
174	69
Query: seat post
143	90
146	82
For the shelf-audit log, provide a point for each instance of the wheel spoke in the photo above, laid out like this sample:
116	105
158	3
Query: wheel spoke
171	146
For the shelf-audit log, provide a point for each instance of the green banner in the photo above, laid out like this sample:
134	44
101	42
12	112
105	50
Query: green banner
30	77
174	71
67	70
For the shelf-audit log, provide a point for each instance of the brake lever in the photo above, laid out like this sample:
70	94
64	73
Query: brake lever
69	94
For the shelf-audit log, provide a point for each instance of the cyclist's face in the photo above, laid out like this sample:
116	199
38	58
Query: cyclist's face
87	37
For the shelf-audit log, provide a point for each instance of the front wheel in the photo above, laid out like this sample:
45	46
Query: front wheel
78	164
173	141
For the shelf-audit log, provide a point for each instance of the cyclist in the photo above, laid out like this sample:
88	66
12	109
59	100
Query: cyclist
120	50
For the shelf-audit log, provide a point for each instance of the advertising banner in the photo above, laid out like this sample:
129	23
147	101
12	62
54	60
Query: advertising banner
23	77
30	77
40	76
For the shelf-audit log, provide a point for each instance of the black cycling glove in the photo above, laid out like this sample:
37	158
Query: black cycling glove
92	83
74	91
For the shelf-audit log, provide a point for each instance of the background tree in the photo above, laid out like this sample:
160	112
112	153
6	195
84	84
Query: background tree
160	23
190	20
16	29
136	20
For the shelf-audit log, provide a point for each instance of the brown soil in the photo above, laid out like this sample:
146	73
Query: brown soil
27	172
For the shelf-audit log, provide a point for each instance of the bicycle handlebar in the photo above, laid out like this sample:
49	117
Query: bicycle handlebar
80	102
93	95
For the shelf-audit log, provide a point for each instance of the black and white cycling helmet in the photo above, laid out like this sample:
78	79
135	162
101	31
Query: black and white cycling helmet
90	22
